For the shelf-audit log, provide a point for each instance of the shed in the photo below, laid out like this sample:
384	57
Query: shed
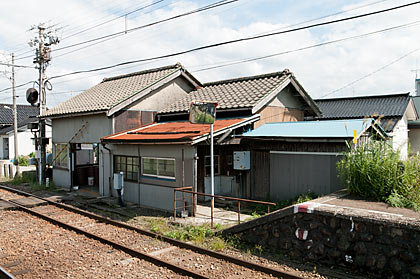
291	158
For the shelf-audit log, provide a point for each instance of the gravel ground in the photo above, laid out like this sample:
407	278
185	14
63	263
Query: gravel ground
191	260
47	251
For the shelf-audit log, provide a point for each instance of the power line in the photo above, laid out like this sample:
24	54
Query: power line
235	62
235	41
18	66
371	73
114	35
115	18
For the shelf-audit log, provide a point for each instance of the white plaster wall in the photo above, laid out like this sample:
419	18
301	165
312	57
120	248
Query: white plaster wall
400	137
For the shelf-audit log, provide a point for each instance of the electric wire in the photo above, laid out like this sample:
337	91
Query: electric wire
235	41
117	34
371	73
236	62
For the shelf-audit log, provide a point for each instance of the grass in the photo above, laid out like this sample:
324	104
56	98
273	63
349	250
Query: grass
30	178
373	170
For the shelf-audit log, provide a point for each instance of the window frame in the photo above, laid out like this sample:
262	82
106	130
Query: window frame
63	160
157	175
216	165
118	169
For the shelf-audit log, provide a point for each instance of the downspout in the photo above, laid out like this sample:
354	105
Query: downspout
110	167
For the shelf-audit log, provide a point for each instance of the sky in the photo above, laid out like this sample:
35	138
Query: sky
363	60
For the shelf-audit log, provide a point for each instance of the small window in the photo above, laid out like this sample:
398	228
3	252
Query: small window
128	165
61	157
158	167
208	165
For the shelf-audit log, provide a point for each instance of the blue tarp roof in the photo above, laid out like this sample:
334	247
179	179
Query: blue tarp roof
312	129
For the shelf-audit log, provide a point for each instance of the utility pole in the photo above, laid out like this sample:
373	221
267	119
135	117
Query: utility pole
42	59
15	122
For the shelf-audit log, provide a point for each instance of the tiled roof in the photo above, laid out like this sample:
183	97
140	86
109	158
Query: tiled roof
359	107
243	92
24	112
312	129
112	91
181	131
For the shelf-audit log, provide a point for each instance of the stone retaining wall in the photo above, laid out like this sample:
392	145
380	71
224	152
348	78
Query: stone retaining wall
383	245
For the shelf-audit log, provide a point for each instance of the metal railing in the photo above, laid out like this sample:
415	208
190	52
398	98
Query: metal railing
193	204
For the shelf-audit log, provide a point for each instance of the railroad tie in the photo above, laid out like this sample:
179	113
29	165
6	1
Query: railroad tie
163	251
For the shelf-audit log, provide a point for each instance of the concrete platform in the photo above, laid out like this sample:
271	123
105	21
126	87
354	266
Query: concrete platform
221	216
342	199
29	202
6	206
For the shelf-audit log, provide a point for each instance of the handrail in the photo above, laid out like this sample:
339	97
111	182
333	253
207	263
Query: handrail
193	204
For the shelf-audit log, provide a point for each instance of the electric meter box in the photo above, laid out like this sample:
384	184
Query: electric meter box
241	160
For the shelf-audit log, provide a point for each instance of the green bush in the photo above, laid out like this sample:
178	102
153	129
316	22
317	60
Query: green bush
375	171
23	160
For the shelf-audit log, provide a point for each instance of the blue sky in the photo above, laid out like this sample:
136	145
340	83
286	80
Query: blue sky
371	65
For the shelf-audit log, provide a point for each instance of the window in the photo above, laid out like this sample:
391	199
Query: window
208	165
61	159
158	167
128	165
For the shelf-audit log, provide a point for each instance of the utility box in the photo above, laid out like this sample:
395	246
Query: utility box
118	181
241	160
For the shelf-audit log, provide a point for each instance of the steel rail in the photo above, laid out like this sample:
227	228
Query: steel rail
5	275
128	250
234	260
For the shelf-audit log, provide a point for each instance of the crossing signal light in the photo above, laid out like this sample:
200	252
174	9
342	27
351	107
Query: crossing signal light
32	96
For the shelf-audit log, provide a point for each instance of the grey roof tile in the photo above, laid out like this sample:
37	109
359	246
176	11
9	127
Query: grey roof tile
24	112
112	91
392	107
243	92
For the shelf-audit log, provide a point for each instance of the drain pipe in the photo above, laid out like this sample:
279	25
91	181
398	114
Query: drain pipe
110	167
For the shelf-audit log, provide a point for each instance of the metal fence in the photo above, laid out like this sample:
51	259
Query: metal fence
193	205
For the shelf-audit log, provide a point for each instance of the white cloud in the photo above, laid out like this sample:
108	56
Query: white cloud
320	70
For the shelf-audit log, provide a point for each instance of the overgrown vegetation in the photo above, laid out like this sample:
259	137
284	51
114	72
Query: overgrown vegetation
375	171
23	160
30	178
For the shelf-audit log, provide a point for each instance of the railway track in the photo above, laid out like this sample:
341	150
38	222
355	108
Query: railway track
4	274
180	257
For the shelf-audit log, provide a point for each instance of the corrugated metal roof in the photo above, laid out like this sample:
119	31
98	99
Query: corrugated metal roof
311	129
243	92
182	131
112	91
393	105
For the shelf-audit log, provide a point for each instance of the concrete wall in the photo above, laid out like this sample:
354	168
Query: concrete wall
151	192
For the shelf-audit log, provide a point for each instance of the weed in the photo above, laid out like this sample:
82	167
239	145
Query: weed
217	244
374	170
